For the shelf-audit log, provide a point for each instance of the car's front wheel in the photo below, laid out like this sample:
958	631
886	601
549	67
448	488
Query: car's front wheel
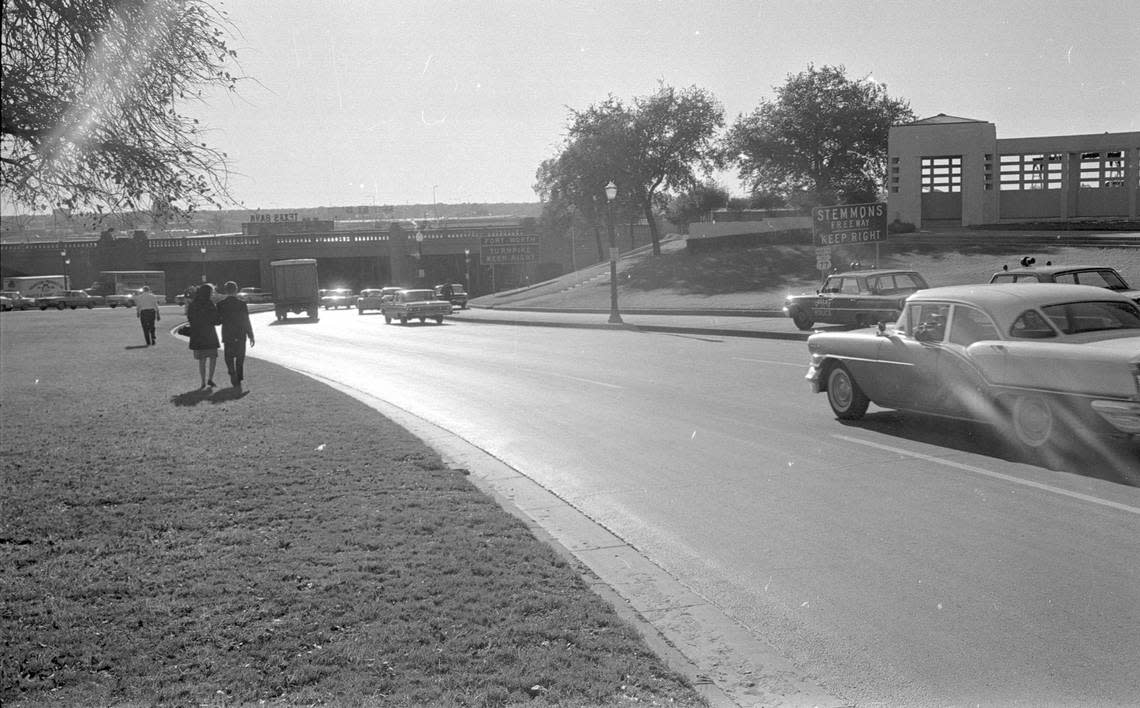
801	320
846	398
61	306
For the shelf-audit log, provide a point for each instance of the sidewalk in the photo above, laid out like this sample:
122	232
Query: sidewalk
725	323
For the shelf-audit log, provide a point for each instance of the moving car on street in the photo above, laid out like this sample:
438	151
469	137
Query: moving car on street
454	292
336	298
415	304
855	298
66	299
374	298
1033	360
18	301
1095	275
254	295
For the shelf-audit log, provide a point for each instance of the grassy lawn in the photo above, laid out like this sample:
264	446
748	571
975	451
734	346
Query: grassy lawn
286	546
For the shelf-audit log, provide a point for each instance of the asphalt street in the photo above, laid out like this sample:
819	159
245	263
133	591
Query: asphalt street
790	560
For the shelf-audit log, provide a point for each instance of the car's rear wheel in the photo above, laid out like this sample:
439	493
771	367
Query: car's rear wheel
89	306
846	398
403	320
1031	420
387	319
439	320
801	320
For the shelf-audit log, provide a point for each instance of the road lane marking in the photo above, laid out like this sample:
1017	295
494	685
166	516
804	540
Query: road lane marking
996	475
567	376
799	365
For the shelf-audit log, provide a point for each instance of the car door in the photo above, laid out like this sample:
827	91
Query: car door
821	310
912	357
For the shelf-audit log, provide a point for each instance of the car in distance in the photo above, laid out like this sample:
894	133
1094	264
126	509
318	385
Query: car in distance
6	304
66	299
415	304
454	292
1030	359
373	298
336	298
858	298
17	300
1098	276
254	295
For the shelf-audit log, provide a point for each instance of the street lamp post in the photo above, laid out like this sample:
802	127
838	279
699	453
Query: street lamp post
467	268
203	251
420	256
66	270
611	194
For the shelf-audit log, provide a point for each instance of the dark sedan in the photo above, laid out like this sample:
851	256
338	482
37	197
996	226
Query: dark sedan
855	298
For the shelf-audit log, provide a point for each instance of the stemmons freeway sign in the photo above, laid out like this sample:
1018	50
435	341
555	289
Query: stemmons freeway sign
849	224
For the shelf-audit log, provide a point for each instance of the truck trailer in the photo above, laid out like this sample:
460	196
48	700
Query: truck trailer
34	286
295	287
118	287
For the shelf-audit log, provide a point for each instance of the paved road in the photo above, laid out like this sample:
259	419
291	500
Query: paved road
897	562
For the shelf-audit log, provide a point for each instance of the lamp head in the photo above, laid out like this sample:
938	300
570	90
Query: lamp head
611	191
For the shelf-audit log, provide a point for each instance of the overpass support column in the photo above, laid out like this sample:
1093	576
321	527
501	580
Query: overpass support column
266	245
397	255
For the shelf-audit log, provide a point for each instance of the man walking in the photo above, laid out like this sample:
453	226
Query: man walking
236	329
146	304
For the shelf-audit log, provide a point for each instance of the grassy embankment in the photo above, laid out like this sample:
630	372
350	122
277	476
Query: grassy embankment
291	546
760	277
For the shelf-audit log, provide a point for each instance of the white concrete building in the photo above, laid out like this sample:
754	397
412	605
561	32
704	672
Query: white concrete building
945	170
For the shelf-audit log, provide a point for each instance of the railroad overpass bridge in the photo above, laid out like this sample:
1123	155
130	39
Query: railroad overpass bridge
353	258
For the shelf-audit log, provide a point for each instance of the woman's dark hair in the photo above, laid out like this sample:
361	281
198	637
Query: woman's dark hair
203	293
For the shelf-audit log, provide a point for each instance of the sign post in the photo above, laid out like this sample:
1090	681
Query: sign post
847	225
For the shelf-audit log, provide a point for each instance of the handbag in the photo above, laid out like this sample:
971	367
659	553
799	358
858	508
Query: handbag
183	331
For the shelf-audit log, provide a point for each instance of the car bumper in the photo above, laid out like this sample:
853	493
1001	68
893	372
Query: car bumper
1122	415
814	377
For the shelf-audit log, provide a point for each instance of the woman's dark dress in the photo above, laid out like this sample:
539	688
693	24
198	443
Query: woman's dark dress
203	316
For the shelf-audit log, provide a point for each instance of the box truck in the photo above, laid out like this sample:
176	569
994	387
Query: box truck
118	287
34	286
295	287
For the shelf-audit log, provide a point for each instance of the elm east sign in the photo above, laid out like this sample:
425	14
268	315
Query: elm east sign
506	250
849	224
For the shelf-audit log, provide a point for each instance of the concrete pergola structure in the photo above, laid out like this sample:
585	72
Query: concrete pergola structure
947	170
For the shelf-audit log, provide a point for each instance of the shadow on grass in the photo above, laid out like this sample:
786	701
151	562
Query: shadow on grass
295	321
136	346
203	395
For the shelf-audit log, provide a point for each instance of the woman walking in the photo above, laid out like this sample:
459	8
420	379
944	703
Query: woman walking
203	318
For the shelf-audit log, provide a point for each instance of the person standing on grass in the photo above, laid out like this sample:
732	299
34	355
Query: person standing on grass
203	318
236	329
146	304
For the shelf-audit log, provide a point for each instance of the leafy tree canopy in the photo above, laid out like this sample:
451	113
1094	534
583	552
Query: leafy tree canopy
91	90
823	133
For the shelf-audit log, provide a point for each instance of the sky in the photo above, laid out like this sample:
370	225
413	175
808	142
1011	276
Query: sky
357	102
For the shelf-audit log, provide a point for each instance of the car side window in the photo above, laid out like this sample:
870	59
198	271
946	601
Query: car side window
928	321
1031	325
971	325
850	286
831	285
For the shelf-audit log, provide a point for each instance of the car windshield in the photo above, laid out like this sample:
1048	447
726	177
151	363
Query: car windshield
1093	316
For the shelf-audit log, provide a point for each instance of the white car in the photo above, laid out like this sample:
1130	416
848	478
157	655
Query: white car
1033	359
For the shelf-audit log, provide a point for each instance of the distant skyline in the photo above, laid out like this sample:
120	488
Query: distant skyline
362	102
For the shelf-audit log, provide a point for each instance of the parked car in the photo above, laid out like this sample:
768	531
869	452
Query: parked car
17	300
415	304
336	298
856	298
454	292
5	304
66	299
1096	275
254	295
373	298
1031	359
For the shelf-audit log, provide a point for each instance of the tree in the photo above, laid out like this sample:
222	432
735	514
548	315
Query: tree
91	97
695	203
647	149
823	133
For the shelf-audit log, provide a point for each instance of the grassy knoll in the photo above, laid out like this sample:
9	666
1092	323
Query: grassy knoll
760	277
286	546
